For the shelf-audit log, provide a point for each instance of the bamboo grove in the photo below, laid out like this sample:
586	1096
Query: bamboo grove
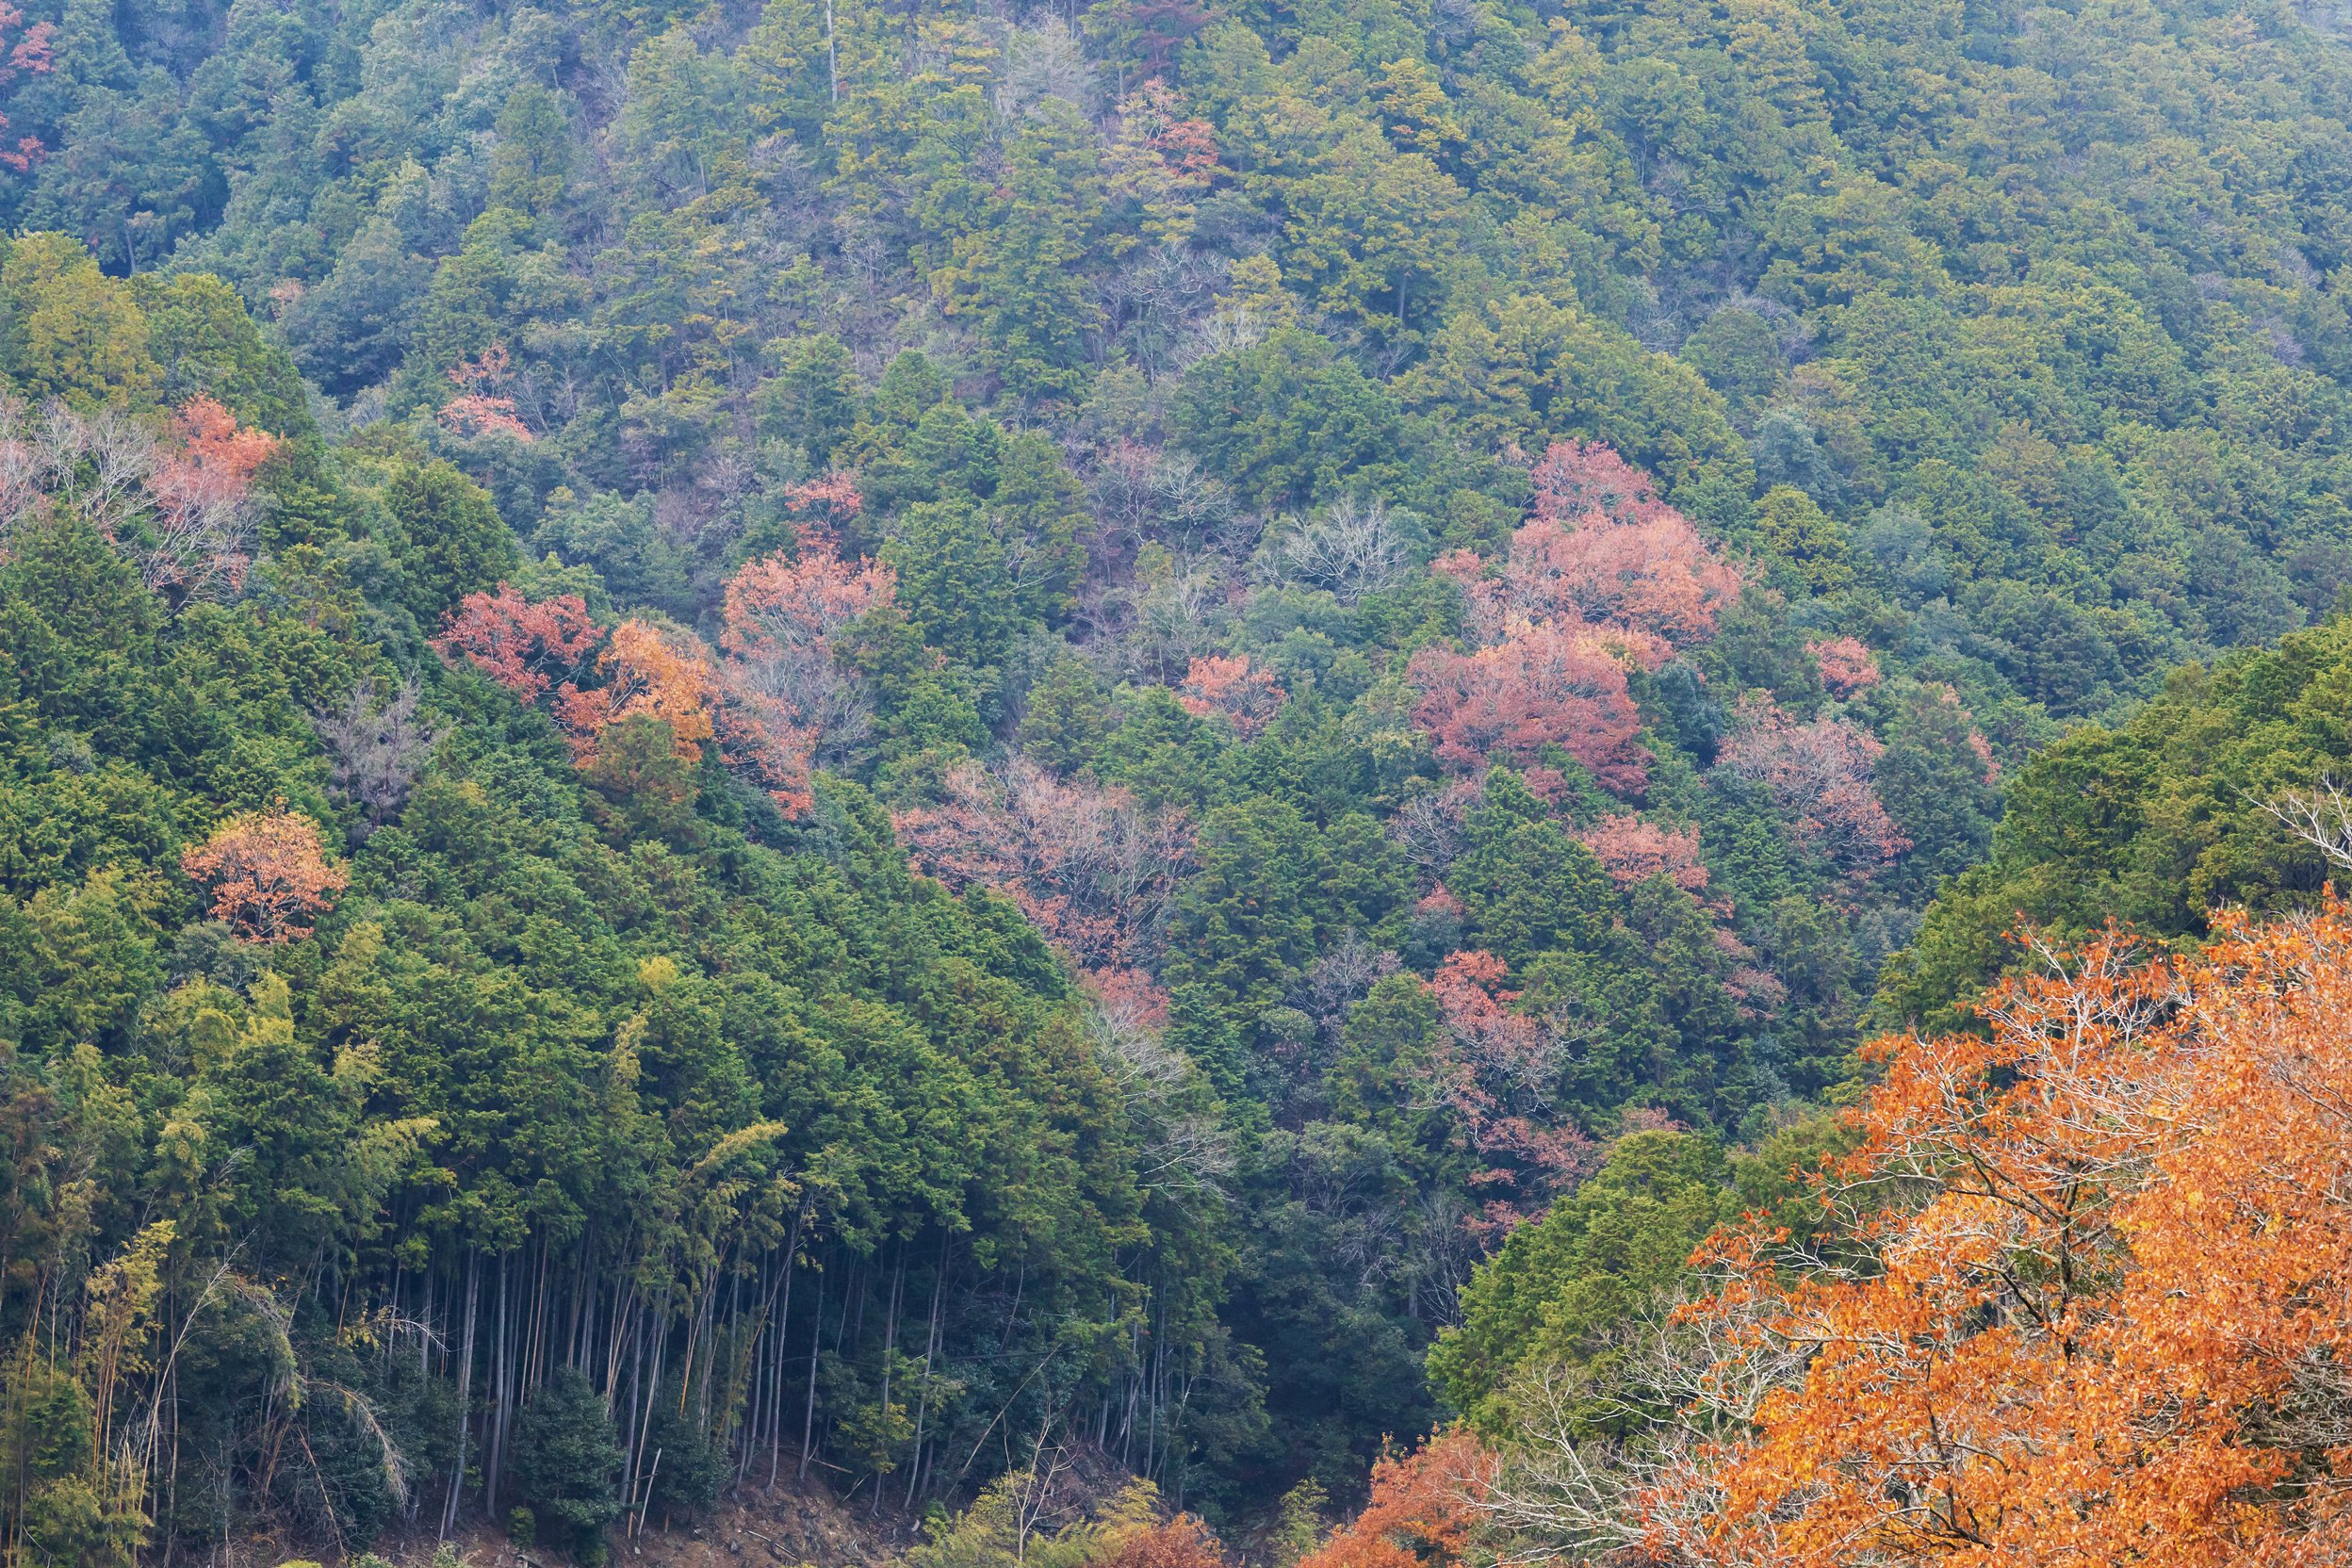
792	1160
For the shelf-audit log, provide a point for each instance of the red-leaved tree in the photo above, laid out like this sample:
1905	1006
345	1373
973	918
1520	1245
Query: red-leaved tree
1542	686
822	507
1633	850
1846	664
1583	479
268	873
31	53
203	486
521	644
1602	549
1497	1069
482	405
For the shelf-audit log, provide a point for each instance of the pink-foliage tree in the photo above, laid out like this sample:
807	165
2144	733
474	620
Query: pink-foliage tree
1603	575
1092	869
1603	549
1846	664
1542	686
1633	850
523	646
785	698
822	507
32	54
180	506
482	405
1583	479
1231	688
1497	1069
1820	774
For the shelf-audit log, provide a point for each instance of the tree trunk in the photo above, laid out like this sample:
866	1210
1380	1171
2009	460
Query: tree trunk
783	1321
930	1351
809	1414
465	1391
494	1435
889	1352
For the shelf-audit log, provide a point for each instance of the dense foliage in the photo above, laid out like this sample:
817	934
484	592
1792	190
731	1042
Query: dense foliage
788	738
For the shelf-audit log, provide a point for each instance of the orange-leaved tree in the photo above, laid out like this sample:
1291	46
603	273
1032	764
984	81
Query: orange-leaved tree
2091	1299
647	672
268	872
1183	1542
203	484
1423	1511
481	406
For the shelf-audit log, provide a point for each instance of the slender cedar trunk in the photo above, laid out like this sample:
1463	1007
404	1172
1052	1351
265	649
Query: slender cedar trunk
809	1412
653	1394
493	1428
861	1287
511	1375
1135	1388
783	1321
584	1328
734	1332
628	1420
172	1475
889	1347
465	1392
1157	1388
930	1351
1012	1317
702	1329
703	1380
693	1328
781	1340
535	1346
624	1308
755	1378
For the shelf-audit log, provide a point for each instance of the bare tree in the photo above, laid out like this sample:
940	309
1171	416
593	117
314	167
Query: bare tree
376	747
1566	1494
97	464
1432	828
1350	548
2321	817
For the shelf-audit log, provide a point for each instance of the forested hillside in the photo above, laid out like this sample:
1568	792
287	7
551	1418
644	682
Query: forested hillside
816	741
